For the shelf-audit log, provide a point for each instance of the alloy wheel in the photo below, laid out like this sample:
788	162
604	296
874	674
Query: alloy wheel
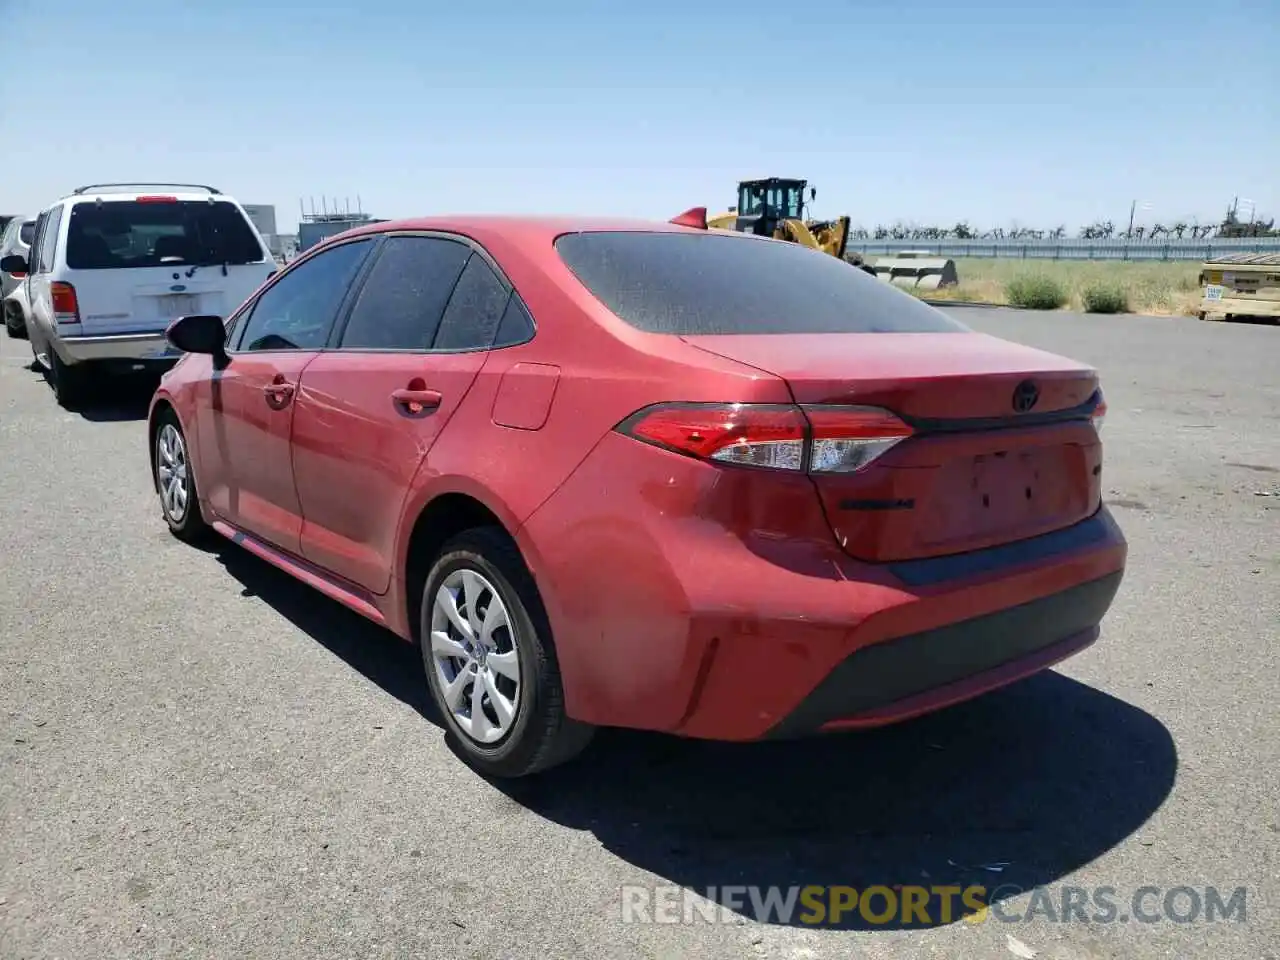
172	473
475	656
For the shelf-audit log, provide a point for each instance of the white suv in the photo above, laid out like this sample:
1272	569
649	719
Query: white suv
111	267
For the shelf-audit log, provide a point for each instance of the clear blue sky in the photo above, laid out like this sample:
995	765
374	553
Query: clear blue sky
994	112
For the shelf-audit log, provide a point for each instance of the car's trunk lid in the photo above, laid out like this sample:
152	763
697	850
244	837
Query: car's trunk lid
136	263
149	299
985	464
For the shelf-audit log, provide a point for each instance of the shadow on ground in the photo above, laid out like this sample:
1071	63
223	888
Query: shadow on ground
374	652
1038	779
113	399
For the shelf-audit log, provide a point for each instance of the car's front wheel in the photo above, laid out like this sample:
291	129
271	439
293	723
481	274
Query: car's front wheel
176	480
490	662
14	323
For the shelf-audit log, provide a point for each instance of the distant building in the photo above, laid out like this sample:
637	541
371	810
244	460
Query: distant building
312	231
329	221
263	216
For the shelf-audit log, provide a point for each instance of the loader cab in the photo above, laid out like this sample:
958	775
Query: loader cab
762	203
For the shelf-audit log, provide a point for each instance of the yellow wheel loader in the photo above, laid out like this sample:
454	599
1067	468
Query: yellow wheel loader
774	207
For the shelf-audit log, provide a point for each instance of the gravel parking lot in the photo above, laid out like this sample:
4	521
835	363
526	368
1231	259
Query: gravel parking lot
203	758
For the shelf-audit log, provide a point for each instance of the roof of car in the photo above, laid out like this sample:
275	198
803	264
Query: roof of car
118	195
525	227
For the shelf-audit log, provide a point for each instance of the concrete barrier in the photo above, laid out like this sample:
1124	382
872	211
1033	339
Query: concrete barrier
919	269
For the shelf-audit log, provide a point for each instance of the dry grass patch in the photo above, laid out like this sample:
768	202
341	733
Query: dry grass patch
1160	289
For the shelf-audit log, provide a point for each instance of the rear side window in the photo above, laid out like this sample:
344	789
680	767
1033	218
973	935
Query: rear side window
27	232
401	302
475	309
121	234
708	283
516	325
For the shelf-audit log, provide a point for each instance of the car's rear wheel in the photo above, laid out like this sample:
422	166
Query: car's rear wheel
176	481
490	661
70	381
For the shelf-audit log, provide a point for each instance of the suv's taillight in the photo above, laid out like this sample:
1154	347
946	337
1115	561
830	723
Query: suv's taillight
817	438
1099	414
66	309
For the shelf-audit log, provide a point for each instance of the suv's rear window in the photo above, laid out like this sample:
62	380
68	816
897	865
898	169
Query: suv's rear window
118	234
693	283
27	232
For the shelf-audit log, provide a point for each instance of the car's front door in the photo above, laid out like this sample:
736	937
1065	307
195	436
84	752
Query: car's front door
245	429
370	410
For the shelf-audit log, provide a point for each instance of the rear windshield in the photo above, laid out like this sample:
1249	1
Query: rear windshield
694	283
118	234
27	232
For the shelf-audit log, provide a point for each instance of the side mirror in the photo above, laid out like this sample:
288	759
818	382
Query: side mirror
200	333
14	263
813	193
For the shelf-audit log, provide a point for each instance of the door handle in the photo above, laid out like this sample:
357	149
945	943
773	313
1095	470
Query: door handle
415	401
278	393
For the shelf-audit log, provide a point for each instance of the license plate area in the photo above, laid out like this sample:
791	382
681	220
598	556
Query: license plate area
176	305
1213	292
1006	494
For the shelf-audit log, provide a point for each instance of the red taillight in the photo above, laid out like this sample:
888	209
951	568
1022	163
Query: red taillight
846	439
155	199
821	439
66	309
757	435
1099	414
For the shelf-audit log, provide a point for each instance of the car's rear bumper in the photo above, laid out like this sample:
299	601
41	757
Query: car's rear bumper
147	348
970	623
915	674
669	615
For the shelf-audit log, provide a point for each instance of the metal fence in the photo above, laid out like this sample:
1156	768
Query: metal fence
1072	249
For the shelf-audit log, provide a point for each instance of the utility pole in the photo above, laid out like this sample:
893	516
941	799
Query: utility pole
1132	209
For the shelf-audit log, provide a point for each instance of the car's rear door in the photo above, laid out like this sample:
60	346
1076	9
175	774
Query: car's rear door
370	410
246	425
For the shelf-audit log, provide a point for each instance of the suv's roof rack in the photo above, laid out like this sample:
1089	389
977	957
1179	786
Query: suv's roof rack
143	183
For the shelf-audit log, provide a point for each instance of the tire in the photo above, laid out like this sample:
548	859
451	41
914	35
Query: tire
537	734
14	324
70	382
185	521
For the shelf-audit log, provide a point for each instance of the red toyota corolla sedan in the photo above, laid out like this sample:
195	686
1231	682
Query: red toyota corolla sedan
645	475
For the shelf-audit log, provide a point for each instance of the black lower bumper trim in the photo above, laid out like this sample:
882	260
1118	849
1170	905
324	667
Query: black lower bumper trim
1087	533
884	673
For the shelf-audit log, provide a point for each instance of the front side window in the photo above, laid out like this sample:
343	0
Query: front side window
297	311
33	255
124	234
27	232
49	239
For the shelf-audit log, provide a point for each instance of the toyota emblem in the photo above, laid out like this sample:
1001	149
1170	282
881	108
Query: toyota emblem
1025	396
